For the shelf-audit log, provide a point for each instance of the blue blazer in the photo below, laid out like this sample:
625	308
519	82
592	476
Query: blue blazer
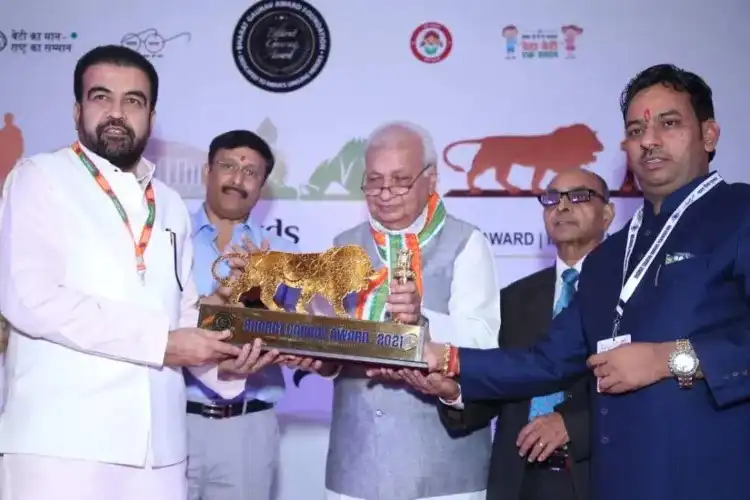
660	442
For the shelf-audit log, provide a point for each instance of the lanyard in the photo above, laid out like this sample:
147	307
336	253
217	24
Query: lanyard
148	227
629	285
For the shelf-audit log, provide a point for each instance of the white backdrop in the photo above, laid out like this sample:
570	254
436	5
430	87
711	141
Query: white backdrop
373	74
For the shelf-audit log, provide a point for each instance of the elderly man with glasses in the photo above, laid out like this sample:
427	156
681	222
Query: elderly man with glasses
387	441
541	445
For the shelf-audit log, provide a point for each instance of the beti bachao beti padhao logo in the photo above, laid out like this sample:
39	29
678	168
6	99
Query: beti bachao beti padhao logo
281	46
541	43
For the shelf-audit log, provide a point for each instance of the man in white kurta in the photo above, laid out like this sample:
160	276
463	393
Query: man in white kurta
99	328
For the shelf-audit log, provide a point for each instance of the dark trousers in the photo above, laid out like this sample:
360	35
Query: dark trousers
546	484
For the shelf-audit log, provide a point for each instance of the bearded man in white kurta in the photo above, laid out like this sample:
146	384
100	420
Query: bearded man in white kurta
95	281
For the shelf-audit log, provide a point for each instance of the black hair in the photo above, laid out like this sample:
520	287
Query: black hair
242	139
119	56
676	79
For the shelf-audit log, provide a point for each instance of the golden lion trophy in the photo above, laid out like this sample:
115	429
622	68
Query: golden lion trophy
320	326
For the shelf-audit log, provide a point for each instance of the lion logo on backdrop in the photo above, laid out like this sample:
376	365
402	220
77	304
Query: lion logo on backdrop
335	179
11	146
563	149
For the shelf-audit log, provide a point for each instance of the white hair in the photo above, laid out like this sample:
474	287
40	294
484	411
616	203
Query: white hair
392	134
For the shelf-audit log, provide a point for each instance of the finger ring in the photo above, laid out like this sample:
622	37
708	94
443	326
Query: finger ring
540	444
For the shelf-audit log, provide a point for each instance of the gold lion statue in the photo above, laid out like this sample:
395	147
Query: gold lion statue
333	274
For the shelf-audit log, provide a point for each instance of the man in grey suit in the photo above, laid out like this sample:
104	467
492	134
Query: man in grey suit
541	445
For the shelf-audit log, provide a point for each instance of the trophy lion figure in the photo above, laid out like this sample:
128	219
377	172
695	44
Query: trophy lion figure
333	274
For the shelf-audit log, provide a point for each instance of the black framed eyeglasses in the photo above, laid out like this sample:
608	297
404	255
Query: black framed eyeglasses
579	195
374	189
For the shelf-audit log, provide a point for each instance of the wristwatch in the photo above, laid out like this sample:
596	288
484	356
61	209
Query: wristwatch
683	363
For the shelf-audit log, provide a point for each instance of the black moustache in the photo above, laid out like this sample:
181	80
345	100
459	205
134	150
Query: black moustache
649	153
114	124
227	189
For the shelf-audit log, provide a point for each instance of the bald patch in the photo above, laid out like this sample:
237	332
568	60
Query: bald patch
580	178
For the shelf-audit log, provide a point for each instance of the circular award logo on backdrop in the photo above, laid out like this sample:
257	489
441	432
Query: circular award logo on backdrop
281	46
431	42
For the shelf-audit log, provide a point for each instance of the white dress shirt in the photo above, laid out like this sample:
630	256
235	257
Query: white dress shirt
560	268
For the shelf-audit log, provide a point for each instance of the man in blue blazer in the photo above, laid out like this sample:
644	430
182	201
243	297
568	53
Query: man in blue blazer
661	316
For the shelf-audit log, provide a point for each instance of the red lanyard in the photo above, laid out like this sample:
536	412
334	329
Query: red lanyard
148	227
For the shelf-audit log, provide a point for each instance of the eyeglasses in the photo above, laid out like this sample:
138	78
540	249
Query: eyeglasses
233	168
553	197
400	188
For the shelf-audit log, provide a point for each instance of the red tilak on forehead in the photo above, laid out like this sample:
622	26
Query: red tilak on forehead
647	115
242	158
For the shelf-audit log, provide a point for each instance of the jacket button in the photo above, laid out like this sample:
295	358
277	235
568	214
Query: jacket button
605	440
379	413
604	411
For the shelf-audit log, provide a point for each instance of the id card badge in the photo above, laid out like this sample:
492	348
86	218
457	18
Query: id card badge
608	344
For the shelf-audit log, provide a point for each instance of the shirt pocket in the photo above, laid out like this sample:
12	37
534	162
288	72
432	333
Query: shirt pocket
684	271
163	272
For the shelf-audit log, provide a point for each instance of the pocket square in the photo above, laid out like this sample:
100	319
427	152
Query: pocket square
671	258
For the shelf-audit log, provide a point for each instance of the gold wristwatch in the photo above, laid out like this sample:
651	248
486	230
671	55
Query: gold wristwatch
684	364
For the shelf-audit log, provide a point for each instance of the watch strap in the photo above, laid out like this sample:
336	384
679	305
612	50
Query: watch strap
683	346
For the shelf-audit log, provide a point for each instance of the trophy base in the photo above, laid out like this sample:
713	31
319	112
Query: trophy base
321	337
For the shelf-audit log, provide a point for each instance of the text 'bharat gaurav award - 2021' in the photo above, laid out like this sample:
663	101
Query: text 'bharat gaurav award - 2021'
320	326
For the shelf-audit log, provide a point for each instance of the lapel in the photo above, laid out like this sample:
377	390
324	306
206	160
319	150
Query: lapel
531	307
541	303
547	295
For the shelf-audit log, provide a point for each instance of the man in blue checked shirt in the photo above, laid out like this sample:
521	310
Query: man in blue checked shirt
233	437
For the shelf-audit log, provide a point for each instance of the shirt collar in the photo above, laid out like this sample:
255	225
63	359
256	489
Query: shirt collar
561	266
673	200
201	221
144	171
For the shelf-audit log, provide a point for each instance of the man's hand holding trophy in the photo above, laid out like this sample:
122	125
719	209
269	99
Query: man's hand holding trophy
252	358
314	337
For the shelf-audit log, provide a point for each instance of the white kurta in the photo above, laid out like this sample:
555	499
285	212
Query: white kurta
90	408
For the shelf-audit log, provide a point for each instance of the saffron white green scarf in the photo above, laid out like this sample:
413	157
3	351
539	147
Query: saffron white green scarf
371	303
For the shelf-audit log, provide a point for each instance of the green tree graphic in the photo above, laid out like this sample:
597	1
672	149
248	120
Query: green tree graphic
340	177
